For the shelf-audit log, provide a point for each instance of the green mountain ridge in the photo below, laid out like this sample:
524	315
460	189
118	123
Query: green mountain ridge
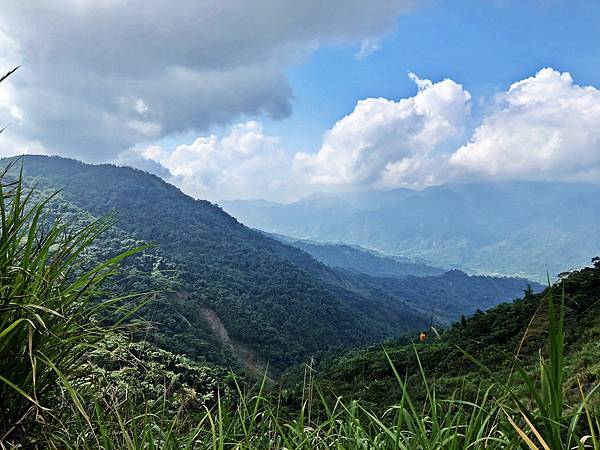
491	338
275	302
360	260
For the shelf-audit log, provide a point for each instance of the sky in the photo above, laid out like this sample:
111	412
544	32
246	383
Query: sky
281	99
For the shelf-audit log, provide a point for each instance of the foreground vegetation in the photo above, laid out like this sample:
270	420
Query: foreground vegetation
67	381
518	328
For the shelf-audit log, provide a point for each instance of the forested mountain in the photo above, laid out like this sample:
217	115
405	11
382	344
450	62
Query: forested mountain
512	228
70	375
491	338
223	292
360	260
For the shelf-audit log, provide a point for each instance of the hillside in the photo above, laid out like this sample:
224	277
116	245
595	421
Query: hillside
512	228
68	379
492	337
360	260
275	302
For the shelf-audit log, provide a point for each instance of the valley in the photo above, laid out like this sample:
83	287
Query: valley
511	228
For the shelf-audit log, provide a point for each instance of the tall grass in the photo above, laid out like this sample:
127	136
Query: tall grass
548	421
47	323
542	418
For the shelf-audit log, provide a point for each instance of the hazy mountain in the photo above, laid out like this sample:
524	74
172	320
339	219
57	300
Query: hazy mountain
513	228
224	292
360	260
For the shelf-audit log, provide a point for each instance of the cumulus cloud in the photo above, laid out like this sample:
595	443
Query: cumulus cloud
100	77
543	127
385	143
245	163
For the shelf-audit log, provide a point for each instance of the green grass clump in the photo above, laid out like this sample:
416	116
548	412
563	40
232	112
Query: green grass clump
542	418
47	323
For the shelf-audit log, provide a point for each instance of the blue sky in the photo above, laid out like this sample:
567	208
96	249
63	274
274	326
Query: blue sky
275	99
484	45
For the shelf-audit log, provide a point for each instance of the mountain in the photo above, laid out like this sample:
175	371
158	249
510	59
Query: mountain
360	260
512	228
305	218
221	292
491	338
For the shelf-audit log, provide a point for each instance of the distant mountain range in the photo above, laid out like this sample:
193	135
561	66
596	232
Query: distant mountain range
360	260
514	228
224	293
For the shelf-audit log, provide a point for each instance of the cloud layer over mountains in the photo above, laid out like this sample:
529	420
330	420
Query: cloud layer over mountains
544	127
107	80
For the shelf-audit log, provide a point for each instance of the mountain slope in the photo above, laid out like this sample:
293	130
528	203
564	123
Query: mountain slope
491	337
274	301
357	259
513	228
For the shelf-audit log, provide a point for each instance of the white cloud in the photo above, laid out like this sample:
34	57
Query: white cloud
543	127
245	163
368	47
186	66
140	106
385	143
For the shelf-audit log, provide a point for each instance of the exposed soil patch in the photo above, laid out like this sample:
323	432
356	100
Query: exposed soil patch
242	354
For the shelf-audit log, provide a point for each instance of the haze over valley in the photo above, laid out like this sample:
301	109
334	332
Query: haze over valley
512	228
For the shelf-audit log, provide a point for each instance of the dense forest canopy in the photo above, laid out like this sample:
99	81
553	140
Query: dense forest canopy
227	294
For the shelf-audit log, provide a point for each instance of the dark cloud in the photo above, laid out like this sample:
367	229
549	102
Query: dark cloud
101	76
